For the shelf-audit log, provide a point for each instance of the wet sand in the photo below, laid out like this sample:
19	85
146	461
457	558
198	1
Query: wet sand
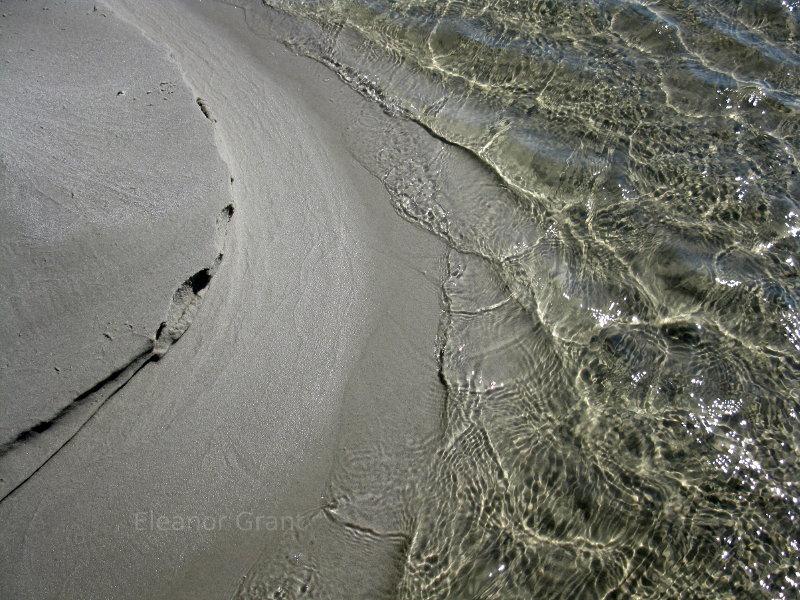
304	318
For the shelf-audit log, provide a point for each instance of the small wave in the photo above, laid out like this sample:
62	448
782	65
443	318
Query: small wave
618	184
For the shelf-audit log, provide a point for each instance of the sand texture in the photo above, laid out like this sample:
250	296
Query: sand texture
172	181
111	191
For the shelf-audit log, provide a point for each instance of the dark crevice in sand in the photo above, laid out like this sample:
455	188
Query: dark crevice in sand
227	212
185	302
200	280
121	376
187	298
206	110
184	305
43	426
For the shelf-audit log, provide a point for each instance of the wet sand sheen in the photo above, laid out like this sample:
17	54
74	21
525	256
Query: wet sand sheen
323	296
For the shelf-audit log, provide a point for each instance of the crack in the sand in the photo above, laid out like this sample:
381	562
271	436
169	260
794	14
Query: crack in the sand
185	303
183	307
131	369
206	110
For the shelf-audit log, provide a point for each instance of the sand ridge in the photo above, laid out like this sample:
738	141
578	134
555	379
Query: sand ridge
98	230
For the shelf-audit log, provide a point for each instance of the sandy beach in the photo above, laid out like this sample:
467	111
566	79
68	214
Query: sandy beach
211	309
366	299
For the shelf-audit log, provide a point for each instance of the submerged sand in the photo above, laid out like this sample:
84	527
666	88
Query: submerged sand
145	143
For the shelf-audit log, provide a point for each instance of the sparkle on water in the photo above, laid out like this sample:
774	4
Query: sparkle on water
622	326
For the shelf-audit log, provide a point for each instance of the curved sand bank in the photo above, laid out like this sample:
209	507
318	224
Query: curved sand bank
315	340
99	228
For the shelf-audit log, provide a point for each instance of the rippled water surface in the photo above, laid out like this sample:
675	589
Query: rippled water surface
618	183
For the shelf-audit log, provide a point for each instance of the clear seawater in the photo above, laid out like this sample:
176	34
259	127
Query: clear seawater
620	348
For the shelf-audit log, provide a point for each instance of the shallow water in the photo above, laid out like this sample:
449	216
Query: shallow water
620	347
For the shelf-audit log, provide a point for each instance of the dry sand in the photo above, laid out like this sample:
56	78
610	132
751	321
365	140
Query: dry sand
111	187
315	338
